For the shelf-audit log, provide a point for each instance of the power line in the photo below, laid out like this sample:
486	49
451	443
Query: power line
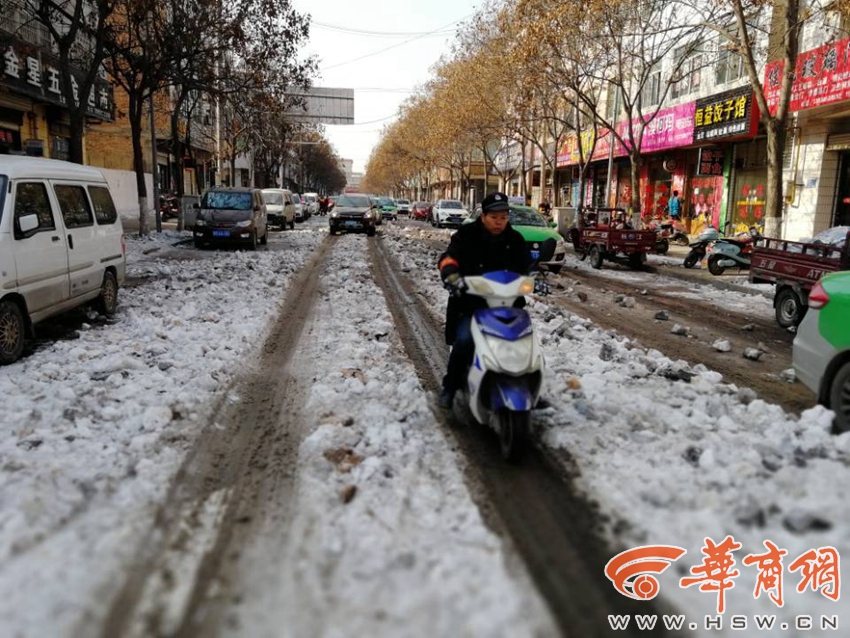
381	34
393	46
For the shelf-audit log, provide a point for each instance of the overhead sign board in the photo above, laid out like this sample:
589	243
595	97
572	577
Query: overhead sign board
324	106
728	114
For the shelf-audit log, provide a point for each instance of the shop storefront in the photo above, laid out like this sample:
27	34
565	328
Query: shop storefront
707	168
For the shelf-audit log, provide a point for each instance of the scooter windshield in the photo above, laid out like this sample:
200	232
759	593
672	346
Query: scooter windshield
510	324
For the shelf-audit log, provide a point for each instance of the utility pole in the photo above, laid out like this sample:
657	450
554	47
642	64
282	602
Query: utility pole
614	118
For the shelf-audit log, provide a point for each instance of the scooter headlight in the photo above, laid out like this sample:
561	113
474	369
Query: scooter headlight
480	287
526	287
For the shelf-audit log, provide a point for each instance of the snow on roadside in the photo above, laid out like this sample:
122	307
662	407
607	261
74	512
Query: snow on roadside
673	454
385	539
94	428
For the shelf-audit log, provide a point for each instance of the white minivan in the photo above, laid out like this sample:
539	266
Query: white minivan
61	245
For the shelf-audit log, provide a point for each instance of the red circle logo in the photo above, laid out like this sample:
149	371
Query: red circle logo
645	587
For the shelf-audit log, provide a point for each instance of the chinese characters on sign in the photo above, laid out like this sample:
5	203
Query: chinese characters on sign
710	162
36	73
822	76
633	572
728	114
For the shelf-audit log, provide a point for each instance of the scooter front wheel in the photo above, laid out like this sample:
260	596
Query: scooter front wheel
513	430
714	266
692	259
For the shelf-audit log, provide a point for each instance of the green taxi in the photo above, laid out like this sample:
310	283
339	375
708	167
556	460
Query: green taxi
536	231
389	209
822	346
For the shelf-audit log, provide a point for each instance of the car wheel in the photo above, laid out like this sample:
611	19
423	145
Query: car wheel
596	257
253	245
636	261
789	310
839	399
12	332
107	303
199	244
370	232
265	239
714	266
662	246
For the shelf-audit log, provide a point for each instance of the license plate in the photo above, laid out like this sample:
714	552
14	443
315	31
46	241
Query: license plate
221	233
535	254
351	224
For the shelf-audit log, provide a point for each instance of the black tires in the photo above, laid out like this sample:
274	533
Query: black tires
636	261
714	266
555	269
370	232
107	303
595	257
662	246
513	430
253	244
199	244
681	239
839	399
692	259
788	307
265	238
12	332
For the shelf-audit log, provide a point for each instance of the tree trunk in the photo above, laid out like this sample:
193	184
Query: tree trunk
634	179
138	161
773	204
75	145
177	153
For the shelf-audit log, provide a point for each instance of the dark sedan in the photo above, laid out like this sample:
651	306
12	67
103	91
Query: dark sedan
353	213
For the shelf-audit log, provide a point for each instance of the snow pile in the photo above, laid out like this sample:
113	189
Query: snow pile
386	539
93	428
673	454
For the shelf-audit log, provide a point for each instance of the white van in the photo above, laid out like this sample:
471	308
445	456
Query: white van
280	208
61	245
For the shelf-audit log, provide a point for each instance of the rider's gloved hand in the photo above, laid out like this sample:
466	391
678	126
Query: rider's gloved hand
455	284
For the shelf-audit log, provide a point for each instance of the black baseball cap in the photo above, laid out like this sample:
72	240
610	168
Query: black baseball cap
495	203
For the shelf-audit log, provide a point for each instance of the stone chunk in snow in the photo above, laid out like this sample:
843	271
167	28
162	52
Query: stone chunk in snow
348	493
626	302
582	296
801	522
789	375
753	354
682	331
607	352
748	328
722	345
662	315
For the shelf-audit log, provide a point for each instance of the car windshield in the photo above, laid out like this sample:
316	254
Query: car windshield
3	181
296	199
226	200
404	201
525	217
310	198
270	197
386	201
421	205
451	203
353	201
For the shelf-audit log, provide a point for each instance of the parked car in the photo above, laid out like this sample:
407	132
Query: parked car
448	212
543	241
420	211
298	206
61	245
403	206
821	353
231	215
311	201
376	202
280	210
354	213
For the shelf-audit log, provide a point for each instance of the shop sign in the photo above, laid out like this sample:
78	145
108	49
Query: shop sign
670	128
31	71
822	77
508	158
728	114
569	155
710	161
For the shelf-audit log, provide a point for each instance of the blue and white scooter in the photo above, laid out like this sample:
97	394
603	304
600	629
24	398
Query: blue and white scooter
506	375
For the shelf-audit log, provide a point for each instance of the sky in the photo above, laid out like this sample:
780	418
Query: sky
382	81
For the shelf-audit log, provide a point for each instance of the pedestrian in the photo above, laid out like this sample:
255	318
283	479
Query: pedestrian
674	206
487	244
545	208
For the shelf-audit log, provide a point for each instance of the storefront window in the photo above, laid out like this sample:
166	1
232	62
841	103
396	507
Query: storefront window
705	196
657	191
748	208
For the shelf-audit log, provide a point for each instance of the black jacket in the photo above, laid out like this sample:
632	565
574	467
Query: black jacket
474	251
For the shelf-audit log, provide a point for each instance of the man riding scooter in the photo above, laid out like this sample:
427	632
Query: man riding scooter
486	245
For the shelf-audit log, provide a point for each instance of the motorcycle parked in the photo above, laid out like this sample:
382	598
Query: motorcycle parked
668	231
729	253
699	247
169	207
504	381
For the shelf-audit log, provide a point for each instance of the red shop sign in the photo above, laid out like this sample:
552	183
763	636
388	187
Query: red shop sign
822	77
